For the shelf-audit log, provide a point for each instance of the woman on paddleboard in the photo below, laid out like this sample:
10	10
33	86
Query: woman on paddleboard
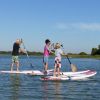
15	54
58	53
46	55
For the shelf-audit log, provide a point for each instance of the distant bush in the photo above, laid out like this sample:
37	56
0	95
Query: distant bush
82	53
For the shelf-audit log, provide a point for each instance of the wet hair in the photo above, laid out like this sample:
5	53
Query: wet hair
47	41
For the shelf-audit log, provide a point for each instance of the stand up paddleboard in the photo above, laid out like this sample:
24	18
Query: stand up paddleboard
77	76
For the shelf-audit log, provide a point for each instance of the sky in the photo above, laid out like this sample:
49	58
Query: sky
73	23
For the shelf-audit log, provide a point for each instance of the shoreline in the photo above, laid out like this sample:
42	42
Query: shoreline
70	56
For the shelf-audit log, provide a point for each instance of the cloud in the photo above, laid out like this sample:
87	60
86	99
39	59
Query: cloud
62	26
79	26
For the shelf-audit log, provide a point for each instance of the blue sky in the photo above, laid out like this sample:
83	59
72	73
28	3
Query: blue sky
74	23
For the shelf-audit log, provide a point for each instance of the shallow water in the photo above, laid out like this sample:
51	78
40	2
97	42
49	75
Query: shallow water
25	87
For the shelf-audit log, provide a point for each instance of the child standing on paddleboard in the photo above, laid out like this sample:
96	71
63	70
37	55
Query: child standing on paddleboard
46	55
58	53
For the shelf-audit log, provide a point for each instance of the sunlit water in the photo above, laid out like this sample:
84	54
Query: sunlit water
25	87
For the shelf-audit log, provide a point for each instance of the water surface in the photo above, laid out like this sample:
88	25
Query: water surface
25	87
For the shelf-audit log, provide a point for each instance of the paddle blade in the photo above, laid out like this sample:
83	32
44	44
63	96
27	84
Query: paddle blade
74	68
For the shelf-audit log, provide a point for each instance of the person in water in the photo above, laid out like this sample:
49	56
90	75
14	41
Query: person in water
46	55
58	53
15	54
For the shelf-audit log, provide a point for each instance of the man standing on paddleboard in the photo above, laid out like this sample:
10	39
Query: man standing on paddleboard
15	54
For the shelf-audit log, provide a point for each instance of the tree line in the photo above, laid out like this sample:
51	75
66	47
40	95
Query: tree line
29	52
94	51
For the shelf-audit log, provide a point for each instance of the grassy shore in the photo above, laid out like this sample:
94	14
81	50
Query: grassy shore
85	56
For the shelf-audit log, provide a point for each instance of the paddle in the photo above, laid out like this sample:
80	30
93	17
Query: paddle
27	53
73	67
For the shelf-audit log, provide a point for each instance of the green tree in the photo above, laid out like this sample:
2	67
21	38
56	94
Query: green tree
94	51
98	52
99	47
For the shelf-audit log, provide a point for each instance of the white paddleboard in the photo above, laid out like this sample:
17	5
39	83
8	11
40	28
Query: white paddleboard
78	76
73	73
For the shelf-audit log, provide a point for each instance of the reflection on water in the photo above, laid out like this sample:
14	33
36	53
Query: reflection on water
45	90
26	87
55	88
15	84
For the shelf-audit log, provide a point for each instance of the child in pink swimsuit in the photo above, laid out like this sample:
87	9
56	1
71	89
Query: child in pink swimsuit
46	55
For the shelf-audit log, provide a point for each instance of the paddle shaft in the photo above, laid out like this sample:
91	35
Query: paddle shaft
27	53
66	55
68	59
